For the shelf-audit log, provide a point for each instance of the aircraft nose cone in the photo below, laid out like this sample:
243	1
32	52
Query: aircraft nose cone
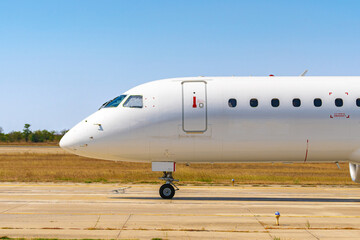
62	143
72	140
76	139
66	142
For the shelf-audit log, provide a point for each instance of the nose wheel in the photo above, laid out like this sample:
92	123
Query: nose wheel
167	191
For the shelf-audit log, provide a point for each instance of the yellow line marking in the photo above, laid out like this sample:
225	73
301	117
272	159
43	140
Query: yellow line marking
183	215
156	186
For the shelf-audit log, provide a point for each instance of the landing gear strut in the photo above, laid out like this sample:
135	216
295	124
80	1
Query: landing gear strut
167	191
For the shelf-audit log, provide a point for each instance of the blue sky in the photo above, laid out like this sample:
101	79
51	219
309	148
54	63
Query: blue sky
60	60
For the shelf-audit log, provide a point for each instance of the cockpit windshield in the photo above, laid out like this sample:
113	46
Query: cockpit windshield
113	103
134	101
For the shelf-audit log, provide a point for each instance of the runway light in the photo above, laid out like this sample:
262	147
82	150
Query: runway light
233	181
277	216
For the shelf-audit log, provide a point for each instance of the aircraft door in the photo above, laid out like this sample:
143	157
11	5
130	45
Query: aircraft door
194	106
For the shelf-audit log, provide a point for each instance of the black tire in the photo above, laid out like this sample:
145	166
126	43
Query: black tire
167	191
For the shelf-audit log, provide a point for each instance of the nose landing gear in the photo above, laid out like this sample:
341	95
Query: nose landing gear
167	191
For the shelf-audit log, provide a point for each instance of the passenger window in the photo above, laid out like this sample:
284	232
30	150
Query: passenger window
339	102
254	102
113	103
275	102
135	101
232	102
296	102
317	102
358	102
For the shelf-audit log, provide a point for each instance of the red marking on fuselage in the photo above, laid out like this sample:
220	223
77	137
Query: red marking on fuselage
307	150
330	93
346	93
339	115
194	102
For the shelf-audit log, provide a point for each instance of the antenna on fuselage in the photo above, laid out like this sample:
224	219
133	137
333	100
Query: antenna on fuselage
304	73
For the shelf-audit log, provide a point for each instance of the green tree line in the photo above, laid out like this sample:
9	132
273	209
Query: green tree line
31	136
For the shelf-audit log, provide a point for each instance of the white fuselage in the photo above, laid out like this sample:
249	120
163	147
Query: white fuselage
190	120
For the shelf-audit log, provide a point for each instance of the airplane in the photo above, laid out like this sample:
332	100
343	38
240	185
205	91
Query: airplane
226	119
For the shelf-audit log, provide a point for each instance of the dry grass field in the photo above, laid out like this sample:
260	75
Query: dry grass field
55	166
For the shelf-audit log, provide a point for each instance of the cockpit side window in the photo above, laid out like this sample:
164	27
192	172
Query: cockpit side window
134	101
102	106
113	103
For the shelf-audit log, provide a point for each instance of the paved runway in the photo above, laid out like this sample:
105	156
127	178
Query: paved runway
93	211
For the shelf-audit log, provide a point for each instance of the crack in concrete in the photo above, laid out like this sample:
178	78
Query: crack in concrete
307	230
3	212
97	221
261	223
122	228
